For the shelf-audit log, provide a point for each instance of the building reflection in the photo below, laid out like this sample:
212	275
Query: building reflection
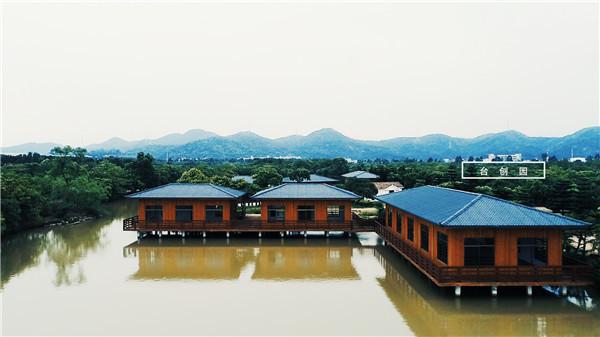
222	260
426	309
432	311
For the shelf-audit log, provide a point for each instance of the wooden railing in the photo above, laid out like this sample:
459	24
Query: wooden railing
243	225
569	273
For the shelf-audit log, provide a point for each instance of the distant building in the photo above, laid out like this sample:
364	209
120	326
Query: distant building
503	157
387	187
314	178
247	179
577	159
360	175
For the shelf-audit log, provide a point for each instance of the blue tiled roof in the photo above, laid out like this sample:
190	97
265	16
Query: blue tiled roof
448	207
314	178
360	175
305	191
188	191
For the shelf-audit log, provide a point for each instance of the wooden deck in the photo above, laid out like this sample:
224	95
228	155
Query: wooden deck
569	274
247	225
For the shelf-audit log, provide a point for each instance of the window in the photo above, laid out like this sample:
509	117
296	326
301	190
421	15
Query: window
410	229
154	213
389	217
183	213
275	213
214	212
398	222
424	237
306	212
335	212
479	251
532	251
442	247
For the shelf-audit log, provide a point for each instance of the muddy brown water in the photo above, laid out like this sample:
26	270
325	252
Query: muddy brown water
94	279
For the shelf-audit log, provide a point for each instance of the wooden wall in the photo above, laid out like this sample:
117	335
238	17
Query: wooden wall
229	207
291	207
505	239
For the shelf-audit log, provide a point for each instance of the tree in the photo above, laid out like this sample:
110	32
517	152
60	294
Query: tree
361	187
300	174
267	176
193	175
114	177
144	171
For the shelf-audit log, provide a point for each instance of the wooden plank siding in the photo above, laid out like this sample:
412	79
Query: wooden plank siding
505	239
168	205
291	208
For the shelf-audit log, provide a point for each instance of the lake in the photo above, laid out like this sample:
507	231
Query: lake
94	279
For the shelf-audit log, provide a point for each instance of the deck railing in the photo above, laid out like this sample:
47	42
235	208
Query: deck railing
355	225
571	272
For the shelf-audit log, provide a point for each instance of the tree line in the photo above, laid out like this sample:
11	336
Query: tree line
38	189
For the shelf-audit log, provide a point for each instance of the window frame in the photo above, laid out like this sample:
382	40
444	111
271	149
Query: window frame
442	246
188	209
538	254
214	209
307	209
480	248
340	212
276	209
424	244
410	229
149	209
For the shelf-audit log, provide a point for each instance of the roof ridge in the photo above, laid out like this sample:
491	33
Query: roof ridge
150	189
453	190
462	210
342	190
220	188
535	209
268	189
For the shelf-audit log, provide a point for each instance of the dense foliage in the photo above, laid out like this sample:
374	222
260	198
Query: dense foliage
41	189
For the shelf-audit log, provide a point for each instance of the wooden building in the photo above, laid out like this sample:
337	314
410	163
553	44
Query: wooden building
179	206
311	203
460	238
297	207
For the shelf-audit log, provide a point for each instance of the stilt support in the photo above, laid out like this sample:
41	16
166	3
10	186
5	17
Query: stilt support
203	234
326	233
563	291
281	234
529	290
457	291
494	291
160	234
305	233
259	234
183	234
227	234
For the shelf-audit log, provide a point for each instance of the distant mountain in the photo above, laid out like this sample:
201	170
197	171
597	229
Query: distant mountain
41	148
329	143
170	139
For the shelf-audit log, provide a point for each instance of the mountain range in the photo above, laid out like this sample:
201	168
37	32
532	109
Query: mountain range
329	143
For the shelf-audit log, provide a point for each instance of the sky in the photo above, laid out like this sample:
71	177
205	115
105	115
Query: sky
80	72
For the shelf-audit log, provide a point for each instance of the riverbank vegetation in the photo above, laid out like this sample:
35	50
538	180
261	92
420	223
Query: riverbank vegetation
38	189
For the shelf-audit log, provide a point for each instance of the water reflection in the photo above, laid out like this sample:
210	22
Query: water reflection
269	259
425	308
431	311
63	247
314	286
